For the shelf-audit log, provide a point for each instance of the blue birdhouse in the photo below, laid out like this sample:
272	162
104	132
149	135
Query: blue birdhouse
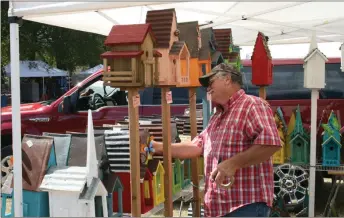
38	156
331	142
299	141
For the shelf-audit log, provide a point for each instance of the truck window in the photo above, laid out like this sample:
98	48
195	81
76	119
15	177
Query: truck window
93	97
288	83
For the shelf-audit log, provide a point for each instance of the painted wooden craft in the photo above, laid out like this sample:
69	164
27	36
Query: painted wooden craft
174	62
279	156
314	67
299	141
331	144
38	157
157	170
72	190
132	60
62	144
223	41
290	129
206	51
190	33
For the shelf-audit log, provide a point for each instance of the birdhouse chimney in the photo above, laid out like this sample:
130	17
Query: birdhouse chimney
91	162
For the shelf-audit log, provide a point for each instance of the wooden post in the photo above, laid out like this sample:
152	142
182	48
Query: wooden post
194	161
134	154
262	92
166	132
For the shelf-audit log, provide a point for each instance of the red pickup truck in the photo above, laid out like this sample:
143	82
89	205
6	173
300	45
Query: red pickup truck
110	104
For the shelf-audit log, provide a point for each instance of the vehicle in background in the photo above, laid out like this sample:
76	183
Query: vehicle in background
69	112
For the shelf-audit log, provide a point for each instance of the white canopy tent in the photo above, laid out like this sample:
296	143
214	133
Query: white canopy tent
283	22
36	69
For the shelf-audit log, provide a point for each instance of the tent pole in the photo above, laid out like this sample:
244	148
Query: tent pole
16	118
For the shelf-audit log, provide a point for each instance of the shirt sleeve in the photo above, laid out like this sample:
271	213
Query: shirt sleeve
261	126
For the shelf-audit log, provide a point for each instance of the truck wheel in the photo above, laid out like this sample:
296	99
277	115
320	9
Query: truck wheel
6	168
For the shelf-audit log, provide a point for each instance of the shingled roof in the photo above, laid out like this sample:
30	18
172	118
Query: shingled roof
205	50
177	47
265	44
128	34
161	22
223	40
189	34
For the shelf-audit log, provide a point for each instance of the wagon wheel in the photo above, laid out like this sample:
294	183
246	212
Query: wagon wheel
6	168
291	184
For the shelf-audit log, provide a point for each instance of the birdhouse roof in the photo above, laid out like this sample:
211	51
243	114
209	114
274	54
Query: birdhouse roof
72	179
223	41
161	22
215	57
121	54
261	38
95	189
313	52
128	34
333	139
300	136
177	47
189	34
144	171
156	53
205	51
153	165
111	181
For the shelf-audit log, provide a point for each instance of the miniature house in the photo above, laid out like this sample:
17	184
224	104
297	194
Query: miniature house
38	157
177	178
279	156
72	190
117	188
62	144
314	67
261	62
223	41
174	62
299	141
205	52
118	151
290	129
331	144
132	59
158	172
190	33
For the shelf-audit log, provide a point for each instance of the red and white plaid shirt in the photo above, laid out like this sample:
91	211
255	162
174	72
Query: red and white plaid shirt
247	121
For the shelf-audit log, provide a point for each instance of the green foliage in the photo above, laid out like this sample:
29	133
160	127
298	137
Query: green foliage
60	47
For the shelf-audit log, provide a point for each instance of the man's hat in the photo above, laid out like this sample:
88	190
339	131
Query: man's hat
223	67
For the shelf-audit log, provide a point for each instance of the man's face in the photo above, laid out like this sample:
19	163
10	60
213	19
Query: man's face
218	89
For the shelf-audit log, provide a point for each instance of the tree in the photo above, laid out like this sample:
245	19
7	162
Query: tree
60	47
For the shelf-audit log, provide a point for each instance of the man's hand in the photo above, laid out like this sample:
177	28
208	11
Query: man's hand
225	169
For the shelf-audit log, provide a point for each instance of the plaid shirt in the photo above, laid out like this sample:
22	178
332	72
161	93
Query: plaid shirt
247	121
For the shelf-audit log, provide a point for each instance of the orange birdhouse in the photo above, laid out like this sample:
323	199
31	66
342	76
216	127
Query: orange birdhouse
132	60
261	62
174	63
190	33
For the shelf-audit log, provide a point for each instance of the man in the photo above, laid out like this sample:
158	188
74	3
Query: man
239	141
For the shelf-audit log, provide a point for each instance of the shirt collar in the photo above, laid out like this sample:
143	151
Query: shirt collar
232	99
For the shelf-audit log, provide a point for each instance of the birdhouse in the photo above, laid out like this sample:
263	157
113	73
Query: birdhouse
206	51
72	190
279	156
290	129
174	62
190	33
38	157
158	172
299	141
261	62
61	144
331	144
132	59
342	57
314	67
177	178
223	41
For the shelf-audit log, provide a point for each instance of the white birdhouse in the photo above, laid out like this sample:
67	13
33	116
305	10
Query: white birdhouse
72	190
314	67
342	57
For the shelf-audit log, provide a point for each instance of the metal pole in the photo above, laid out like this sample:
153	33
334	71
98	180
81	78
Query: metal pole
313	151
16	118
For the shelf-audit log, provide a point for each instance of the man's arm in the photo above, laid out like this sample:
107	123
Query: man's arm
183	150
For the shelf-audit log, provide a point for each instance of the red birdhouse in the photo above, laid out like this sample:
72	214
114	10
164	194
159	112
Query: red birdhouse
261	62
